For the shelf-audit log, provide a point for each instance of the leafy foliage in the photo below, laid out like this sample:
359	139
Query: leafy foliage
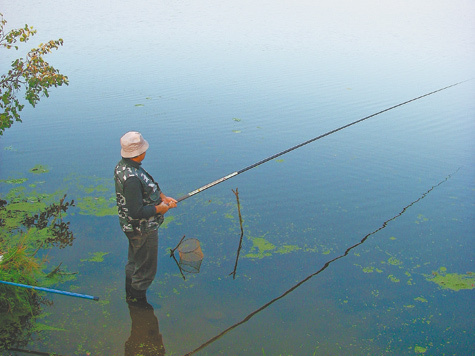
32	73
28	223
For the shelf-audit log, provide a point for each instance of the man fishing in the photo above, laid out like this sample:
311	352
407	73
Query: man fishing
141	206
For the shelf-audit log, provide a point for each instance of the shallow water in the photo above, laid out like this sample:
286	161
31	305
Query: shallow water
215	87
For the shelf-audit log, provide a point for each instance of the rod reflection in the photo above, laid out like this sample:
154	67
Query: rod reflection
325	266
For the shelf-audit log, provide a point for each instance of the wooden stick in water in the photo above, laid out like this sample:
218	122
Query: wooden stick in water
236	193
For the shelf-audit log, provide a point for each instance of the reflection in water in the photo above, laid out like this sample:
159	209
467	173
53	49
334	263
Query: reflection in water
145	338
325	266
236	193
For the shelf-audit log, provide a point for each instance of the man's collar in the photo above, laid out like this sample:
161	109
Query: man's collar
131	162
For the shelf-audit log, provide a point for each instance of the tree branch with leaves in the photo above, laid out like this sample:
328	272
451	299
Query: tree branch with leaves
32	74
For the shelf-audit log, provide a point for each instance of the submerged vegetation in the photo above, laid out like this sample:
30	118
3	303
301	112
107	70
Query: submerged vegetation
29	222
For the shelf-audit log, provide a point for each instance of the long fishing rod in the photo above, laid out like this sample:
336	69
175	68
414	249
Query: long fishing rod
49	290
220	180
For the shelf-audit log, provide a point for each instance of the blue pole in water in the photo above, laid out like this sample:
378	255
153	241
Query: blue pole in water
52	290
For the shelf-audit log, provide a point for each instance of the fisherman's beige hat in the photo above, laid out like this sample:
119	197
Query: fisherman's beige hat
133	144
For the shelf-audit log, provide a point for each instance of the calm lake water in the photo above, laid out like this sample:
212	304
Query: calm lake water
216	86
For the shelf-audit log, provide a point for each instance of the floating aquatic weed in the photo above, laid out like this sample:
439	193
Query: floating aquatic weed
168	219
453	281
95	257
39	169
420	350
421	219
394	261
237	131
97	206
139	105
236	119
94	195
260	248
284	249
43	327
393	278
14	181
421	299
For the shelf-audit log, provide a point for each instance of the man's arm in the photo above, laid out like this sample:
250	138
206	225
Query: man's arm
134	201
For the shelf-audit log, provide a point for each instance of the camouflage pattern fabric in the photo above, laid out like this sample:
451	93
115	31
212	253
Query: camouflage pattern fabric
151	196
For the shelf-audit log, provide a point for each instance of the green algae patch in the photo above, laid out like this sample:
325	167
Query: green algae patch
260	248
14	181
95	257
453	281
421	219
22	204
421	299
287	249
43	327
93	195
393	278
39	169
420	350
394	261
98	206
168	220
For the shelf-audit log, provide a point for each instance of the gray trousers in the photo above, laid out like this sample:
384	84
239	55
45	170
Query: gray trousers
141	264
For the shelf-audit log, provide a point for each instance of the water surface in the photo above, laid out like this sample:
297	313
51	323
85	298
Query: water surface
215	87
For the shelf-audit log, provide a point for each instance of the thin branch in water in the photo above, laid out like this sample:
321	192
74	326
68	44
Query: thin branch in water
236	193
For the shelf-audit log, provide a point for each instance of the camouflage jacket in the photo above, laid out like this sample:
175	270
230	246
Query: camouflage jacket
124	170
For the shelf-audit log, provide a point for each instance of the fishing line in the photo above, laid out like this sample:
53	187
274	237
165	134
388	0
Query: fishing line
220	180
325	266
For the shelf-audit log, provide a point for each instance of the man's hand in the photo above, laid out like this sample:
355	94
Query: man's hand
166	204
171	202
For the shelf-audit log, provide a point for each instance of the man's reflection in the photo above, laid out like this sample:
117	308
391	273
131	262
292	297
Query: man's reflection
145	338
